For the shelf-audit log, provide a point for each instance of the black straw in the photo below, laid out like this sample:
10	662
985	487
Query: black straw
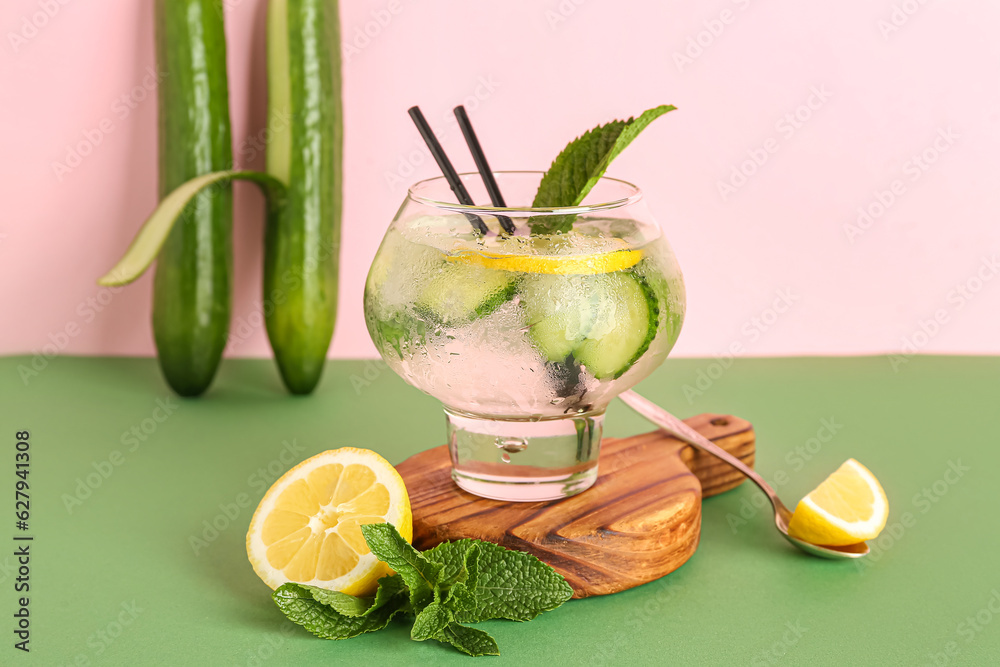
483	166
444	163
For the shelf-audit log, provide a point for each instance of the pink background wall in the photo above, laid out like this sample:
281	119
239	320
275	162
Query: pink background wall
889	81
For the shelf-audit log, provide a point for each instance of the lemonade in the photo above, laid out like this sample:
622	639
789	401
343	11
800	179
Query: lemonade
588	314
525	337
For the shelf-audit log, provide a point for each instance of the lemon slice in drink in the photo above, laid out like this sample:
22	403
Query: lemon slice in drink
508	254
307	528
848	507
558	264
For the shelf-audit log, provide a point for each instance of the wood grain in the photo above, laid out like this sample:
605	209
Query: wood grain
640	520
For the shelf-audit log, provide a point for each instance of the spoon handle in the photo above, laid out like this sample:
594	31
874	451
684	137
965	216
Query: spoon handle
678	429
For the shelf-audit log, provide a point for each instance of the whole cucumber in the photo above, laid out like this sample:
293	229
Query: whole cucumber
302	238
191	291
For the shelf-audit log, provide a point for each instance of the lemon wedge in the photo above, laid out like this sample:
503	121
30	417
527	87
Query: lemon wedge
307	528
848	507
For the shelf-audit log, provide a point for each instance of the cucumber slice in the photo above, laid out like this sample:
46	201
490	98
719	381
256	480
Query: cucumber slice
460	293
625	325
560	311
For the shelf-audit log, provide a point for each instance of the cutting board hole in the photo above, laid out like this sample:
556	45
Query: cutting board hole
720	421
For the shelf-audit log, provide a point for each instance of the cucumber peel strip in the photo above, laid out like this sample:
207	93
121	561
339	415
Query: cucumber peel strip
154	231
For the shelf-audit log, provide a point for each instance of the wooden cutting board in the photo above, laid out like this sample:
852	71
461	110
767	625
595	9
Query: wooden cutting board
640	520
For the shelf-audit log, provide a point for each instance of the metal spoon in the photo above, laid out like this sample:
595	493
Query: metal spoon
782	515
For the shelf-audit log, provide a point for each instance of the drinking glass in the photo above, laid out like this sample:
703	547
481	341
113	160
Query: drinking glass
525	337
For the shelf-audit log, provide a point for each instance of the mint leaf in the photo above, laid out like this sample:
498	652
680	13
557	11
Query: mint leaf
344	604
431	621
472	641
348	605
329	615
578	167
460	587
509	584
419	574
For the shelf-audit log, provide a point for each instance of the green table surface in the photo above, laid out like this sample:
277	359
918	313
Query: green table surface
118	577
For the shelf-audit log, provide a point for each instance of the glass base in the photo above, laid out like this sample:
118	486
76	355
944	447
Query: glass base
523	460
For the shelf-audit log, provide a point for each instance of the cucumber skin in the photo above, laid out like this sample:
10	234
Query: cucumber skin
191	289
302	238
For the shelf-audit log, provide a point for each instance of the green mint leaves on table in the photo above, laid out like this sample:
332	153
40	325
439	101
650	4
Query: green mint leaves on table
466	581
579	166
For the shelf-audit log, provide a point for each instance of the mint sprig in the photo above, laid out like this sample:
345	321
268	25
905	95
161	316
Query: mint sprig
579	166
466	581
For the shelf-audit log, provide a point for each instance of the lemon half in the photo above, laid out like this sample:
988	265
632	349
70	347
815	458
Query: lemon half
307	528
